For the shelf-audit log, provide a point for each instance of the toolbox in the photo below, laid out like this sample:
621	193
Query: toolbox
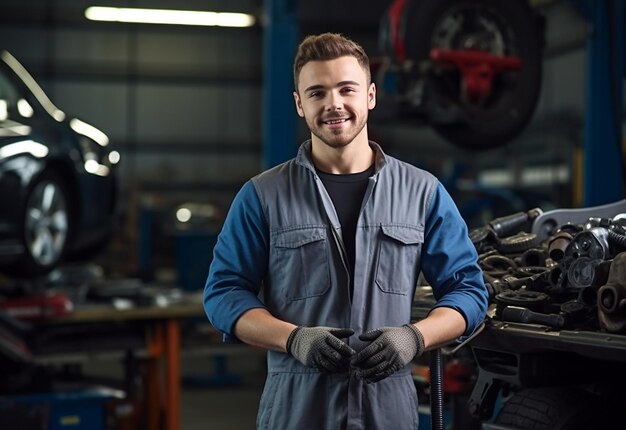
82	409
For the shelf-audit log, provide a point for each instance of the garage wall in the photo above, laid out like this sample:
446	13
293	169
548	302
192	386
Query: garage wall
182	104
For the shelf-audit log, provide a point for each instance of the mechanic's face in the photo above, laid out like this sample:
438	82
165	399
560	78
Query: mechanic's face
334	98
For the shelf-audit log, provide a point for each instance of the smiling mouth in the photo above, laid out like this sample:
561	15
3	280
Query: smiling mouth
335	121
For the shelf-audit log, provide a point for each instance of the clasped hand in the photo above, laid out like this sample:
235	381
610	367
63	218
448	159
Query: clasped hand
389	349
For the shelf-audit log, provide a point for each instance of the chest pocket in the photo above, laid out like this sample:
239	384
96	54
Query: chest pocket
398	262
300	262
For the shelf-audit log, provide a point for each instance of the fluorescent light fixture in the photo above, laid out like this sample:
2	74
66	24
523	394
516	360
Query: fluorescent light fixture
529	176
12	129
24	108
90	131
114	157
39	94
31	147
183	214
4	110
168	16
95	168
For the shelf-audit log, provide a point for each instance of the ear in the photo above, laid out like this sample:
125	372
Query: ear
296	99
371	96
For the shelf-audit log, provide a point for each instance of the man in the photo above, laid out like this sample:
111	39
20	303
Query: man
334	241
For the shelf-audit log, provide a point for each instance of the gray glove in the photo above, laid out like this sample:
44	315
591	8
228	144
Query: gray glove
320	347
391	348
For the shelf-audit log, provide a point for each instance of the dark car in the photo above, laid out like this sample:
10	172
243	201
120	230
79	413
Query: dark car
57	179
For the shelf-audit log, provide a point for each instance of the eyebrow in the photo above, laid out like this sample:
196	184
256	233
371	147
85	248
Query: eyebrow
340	84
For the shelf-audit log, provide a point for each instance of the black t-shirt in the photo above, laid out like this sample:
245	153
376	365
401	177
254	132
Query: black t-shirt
347	191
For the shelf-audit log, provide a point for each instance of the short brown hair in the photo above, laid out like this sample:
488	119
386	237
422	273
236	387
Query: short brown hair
328	46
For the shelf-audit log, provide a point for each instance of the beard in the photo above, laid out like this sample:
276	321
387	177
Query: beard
337	138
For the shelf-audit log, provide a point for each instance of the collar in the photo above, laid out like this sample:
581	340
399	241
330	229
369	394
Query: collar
304	159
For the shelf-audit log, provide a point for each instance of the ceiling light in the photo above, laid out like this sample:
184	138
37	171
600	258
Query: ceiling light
39	94
167	16
31	147
24	108
90	131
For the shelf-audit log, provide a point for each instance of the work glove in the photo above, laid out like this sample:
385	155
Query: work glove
391	349
321	347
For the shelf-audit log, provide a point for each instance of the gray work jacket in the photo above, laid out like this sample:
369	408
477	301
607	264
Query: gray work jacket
307	283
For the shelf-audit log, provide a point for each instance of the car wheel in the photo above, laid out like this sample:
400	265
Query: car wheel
549	409
45	227
501	28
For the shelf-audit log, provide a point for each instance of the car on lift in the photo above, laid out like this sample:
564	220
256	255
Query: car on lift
57	179
470	69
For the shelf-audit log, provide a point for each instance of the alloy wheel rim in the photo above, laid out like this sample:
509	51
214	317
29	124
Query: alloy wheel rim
46	223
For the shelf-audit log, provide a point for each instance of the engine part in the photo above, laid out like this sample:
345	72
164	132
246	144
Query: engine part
557	245
572	229
497	265
586	272
517	243
493	288
525	277
592	243
514	223
597	222
534	257
536	278
483	238
525	315
494	285
618	224
563	274
589	296
557	279
487	237
533	300
532	271
618	240
514	283
575	312
546	223
612	297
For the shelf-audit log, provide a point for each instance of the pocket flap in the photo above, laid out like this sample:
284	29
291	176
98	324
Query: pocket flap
403	233
299	237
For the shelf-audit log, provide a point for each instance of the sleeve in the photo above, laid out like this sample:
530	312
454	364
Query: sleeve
450	261
239	263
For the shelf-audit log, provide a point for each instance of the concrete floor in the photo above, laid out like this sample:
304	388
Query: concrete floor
210	402
221	387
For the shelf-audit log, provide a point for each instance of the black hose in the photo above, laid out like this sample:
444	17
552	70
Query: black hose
617	239
436	390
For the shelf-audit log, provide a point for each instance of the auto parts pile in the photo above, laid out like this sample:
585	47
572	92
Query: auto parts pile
574	277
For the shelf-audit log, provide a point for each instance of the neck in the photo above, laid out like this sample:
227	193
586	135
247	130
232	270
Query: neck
355	157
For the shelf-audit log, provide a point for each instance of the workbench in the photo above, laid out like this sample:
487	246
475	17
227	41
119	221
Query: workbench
152	333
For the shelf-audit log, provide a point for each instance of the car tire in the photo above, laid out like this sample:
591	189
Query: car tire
518	32
549	409
45	226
